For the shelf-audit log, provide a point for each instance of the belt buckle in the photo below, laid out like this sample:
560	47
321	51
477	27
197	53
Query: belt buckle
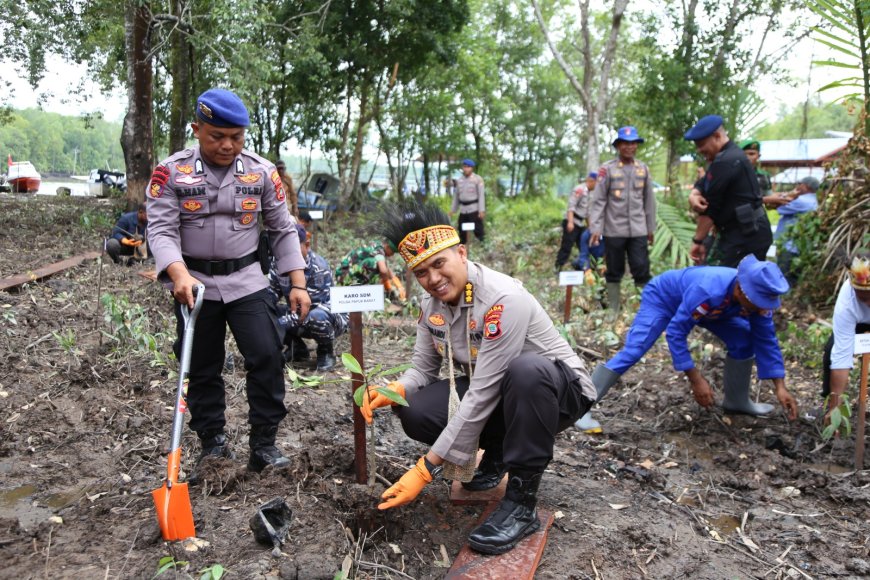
217	267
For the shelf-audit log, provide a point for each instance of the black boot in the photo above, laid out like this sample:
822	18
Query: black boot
514	519
325	357
488	474
214	444
296	350
263	450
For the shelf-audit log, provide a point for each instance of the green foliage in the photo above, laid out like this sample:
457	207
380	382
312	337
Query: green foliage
96	221
808	121
130	329
167	563
213	572
66	340
805	345
7	315
840	424
674	231
351	364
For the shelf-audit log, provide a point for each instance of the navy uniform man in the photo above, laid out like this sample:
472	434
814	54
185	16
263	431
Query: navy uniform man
128	234
470	200
204	204
729	197
623	210
521	385
322	325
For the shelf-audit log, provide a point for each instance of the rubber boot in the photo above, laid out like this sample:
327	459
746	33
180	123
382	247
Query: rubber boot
297	350
325	357
514	519
214	444
489	473
737	378
603	378
263	451
613	295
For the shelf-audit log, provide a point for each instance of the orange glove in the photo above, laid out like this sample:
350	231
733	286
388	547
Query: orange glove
408	487
130	242
399	288
374	400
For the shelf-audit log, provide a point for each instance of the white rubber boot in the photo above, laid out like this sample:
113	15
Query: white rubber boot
737	379
603	378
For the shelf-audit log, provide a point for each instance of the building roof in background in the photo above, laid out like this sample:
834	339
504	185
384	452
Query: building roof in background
800	152
792	175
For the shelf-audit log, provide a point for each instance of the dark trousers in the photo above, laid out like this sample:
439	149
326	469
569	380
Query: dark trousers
860	328
732	246
539	398
254	325
637	249
473	217
569	240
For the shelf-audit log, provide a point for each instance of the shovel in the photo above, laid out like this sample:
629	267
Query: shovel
172	501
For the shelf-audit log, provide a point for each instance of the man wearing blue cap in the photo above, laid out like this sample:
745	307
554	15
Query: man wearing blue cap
469	200
623	210
204	207
734	304
574	223
731	199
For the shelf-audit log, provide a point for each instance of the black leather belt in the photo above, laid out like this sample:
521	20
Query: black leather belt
220	267
467	202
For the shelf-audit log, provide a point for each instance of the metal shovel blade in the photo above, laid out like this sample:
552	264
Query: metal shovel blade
174	513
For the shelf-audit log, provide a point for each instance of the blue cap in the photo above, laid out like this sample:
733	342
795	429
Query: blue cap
703	128
303	233
468	162
629	134
762	282
221	108
593	175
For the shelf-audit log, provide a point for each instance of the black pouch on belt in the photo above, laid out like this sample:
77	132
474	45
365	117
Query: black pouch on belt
746	218
264	251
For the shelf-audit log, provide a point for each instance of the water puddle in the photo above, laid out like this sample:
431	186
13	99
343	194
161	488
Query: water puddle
18	503
11	497
725	524
680	446
830	467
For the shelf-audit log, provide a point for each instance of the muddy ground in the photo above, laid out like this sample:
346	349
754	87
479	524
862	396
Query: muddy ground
668	491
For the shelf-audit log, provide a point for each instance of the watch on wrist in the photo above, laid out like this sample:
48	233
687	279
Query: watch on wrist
434	470
699	242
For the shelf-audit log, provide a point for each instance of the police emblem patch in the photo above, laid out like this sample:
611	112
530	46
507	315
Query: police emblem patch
436	319
492	322
279	186
472	324
249	204
205	110
189	179
192	205
249	178
246	219
186	169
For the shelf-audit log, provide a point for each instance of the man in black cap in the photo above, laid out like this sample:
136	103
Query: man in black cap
732	199
204	206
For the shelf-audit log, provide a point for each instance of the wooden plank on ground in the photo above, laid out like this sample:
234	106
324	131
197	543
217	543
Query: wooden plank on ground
150	274
461	496
46	271
517	564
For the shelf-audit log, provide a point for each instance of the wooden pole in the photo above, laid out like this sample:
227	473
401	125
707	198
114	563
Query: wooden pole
359	425
862	412
568	291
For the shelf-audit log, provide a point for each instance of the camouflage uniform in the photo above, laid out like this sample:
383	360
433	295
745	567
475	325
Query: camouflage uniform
360	266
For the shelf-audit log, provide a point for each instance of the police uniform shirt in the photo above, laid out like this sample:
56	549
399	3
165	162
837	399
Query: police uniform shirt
730	181
578	203
468	195
505	321
623	203
700	294
193	213
848	313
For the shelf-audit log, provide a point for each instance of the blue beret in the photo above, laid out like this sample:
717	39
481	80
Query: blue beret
221	108
628	134
468	162
703	128
593	175
303	233
762	282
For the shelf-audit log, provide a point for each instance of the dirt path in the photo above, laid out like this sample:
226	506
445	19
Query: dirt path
668	491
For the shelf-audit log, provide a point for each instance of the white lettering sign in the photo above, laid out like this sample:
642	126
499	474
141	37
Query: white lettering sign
356	298
316	214
571	278
467	226
862	343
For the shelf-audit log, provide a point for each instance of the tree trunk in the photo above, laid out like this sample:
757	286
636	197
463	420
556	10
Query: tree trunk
136	133
182	102
353	193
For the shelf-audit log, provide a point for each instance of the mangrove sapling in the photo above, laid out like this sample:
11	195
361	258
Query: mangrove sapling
840	423
376	372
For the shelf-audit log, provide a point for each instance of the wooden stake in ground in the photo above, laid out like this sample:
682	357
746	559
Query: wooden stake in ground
569	280
862	412
316	215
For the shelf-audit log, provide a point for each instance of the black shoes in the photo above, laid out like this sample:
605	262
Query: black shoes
325	357
214	444
263	451
514	519
488	474
296	351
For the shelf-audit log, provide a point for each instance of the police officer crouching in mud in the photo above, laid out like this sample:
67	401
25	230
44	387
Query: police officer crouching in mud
521	382
204	204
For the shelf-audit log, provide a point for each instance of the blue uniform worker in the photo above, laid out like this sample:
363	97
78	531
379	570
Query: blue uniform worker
734	304
321	325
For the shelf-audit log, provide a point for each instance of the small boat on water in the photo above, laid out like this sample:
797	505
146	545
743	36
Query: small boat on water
22	176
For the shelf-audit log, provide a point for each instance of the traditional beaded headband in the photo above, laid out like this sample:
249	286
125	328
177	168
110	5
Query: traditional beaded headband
419	246
859	274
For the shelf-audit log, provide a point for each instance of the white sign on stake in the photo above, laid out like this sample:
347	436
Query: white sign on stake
356	298
862	343
467	226
316	214
571	278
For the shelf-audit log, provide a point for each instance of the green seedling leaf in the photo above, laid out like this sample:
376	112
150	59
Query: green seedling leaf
828	432
375	370
396	370
292	375
214	572
836	418
392	395
350	363
358	396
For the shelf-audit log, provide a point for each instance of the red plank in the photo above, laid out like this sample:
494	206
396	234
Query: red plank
517	564
461	496
150	274
46	271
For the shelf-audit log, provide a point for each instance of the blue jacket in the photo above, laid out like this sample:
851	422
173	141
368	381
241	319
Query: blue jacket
789	214
704	296
128	222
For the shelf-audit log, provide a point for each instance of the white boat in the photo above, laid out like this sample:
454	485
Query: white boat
22	176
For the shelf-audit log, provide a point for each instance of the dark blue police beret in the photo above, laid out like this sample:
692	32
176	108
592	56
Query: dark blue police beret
703	128
468	162
222	108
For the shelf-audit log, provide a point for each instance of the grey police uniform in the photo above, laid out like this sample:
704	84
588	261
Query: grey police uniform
469	199
207	217
623	210
527	384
